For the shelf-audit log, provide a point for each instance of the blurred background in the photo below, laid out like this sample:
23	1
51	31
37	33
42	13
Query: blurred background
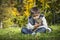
17	11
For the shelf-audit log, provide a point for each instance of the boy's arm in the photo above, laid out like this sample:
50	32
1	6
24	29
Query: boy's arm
29	25
45	24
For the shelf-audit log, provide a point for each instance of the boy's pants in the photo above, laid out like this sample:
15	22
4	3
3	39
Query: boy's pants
28	31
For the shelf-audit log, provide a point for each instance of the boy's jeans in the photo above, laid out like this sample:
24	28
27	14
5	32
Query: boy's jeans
28	31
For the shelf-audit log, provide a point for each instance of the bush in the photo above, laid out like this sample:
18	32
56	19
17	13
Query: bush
20	21
7	23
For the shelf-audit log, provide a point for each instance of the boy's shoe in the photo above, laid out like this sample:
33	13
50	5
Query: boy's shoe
33	33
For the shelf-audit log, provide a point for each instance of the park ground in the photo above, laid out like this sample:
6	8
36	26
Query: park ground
14	33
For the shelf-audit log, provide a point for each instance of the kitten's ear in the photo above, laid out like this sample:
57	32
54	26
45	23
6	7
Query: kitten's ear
41	15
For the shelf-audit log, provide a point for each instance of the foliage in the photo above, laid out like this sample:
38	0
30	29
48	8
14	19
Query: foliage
7	23
20	21
20	10
6	15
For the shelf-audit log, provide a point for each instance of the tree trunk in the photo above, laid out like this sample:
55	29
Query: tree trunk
1	24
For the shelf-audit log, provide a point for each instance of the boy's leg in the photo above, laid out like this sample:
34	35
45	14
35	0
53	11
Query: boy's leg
26	31
41	30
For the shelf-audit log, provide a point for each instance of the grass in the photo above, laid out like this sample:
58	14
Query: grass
14	33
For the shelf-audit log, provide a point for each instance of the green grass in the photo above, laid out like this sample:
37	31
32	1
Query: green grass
14	33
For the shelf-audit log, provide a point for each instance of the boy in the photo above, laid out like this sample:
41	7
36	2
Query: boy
36	23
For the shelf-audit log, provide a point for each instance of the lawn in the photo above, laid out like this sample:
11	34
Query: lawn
14	33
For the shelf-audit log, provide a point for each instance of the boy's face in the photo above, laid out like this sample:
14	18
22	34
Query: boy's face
36	15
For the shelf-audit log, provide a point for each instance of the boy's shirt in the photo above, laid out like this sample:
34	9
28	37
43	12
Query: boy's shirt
31	22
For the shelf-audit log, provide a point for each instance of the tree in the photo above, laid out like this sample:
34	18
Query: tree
5	14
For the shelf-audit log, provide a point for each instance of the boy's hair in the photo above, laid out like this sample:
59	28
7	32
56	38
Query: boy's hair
34	10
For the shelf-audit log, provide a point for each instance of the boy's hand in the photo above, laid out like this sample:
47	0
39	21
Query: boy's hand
36	25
